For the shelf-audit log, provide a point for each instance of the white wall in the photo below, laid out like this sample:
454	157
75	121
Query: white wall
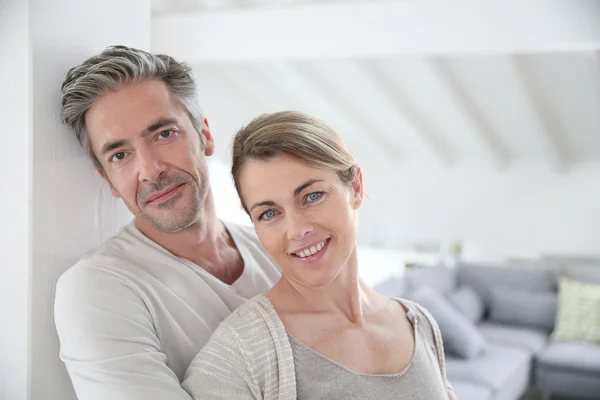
522	211
58	208
15	197
226	199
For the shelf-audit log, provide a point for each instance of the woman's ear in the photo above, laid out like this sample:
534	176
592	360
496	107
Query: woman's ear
357	187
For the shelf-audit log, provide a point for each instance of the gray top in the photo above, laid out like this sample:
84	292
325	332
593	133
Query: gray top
319	377
250	357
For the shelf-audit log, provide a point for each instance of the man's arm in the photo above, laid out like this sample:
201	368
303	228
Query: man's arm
452	395
108	342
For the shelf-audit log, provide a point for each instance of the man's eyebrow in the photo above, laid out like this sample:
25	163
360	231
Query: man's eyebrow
115	144
160	123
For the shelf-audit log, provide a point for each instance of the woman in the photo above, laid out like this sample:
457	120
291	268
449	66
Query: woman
321	332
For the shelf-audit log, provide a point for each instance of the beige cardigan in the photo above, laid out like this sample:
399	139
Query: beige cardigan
250	356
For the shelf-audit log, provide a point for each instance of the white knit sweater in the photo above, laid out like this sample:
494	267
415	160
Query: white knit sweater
250	356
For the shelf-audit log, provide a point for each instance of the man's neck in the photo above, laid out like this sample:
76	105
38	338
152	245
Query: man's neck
206	243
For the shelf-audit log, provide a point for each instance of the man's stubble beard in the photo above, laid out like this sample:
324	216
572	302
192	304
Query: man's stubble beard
172	221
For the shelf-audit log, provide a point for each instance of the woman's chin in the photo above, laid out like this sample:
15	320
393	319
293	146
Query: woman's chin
316	279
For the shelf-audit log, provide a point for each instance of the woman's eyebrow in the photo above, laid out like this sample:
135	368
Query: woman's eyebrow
262	203
305	185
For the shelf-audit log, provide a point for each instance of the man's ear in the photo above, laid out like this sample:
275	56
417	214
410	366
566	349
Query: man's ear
209	142
103	175
357	187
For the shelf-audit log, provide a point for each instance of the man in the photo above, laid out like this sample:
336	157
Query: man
132	314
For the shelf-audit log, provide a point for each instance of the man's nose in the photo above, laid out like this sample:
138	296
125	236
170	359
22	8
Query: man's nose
150	167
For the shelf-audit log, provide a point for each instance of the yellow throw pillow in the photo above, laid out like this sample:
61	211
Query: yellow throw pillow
578	314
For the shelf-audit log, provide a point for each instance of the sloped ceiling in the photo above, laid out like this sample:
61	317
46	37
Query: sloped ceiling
531	92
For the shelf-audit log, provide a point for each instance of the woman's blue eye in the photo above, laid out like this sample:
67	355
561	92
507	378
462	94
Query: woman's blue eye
314	196
268	214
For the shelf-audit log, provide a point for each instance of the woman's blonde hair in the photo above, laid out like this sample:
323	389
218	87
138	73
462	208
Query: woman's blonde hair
294	134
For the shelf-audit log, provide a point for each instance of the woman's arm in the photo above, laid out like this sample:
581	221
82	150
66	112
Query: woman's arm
220	371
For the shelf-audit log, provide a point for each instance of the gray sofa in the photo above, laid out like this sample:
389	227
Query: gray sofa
496	323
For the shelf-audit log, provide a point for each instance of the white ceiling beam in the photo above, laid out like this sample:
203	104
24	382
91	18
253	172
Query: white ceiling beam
378	29
304	95
278	79
396	96
236	79
162	7
553	129
351	111
490	140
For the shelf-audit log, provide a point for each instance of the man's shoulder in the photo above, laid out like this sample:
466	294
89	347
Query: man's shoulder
119	257
93	272
122	244
93	283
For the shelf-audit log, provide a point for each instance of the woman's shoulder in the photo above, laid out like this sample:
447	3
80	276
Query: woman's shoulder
411	307
251	330
238	357
254	327
251	318
416	311
251	342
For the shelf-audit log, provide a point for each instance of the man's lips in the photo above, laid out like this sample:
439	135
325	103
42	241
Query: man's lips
166	191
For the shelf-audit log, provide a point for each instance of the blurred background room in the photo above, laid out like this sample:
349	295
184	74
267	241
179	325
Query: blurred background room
476	124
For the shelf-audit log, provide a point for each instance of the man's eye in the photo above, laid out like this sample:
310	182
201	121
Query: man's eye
165	134
314	196
118	156
267	215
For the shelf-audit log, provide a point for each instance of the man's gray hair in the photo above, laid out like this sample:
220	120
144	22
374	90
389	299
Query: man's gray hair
114	68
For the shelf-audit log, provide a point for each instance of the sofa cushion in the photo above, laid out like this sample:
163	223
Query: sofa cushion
468	302
484	278
582	273
471	391
522	307
575	356
498	366
518	385
461	337
530	339
578	316
572	384
440	278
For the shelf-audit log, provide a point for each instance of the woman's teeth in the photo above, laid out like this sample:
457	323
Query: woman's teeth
309	252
